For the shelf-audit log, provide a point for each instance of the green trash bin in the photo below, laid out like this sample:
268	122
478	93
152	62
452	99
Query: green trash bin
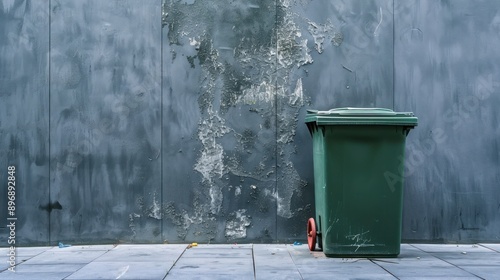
358	180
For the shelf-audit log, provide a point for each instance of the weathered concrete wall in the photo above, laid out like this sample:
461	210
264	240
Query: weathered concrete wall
182	120
105	120
24	117
448	72
219	156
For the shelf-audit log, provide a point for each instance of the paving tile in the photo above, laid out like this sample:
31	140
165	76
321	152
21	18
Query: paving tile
277	274
440	278
495	246
83	248
31	251
274	264
48	268
150	247
323	260
357	276
302	255
60	257
22	254
211	271
224	246
273	261
423	268
277	266
268	250
484	271
217	253
122	270
266	247
215	266
346	269
474	258
434	248
33	275
138	256
268	257
214	261
188	275
5	264
167	253
411	252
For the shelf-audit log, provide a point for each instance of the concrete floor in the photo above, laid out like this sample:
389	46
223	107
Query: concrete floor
249	261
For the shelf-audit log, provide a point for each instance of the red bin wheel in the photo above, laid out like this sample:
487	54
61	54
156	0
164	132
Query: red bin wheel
311	234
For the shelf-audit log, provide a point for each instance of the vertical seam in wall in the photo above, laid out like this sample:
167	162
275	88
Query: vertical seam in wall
161	118
393	57
49	89
276	112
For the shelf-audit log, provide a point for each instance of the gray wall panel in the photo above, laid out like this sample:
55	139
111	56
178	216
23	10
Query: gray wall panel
219	121
105	121
447	72
24	117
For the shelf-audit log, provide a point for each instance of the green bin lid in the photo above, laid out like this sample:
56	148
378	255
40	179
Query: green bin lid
361	116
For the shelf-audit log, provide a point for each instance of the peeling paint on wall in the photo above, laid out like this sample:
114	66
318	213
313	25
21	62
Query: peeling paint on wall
236	226
242	71
322	32
211	162
155	209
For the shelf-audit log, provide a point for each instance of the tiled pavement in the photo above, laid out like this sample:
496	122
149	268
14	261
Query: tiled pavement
249	261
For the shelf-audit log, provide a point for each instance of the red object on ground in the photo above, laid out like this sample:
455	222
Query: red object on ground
311	234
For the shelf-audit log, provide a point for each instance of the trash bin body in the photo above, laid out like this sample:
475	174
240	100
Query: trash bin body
358	179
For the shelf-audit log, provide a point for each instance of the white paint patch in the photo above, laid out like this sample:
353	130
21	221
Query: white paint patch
195	43
268	193
297	97
284	209
237	191
131	224
211	162
155	209
305	57
320	32
216	199
262	92
265	92
283	204
286	137
237	226
283	196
